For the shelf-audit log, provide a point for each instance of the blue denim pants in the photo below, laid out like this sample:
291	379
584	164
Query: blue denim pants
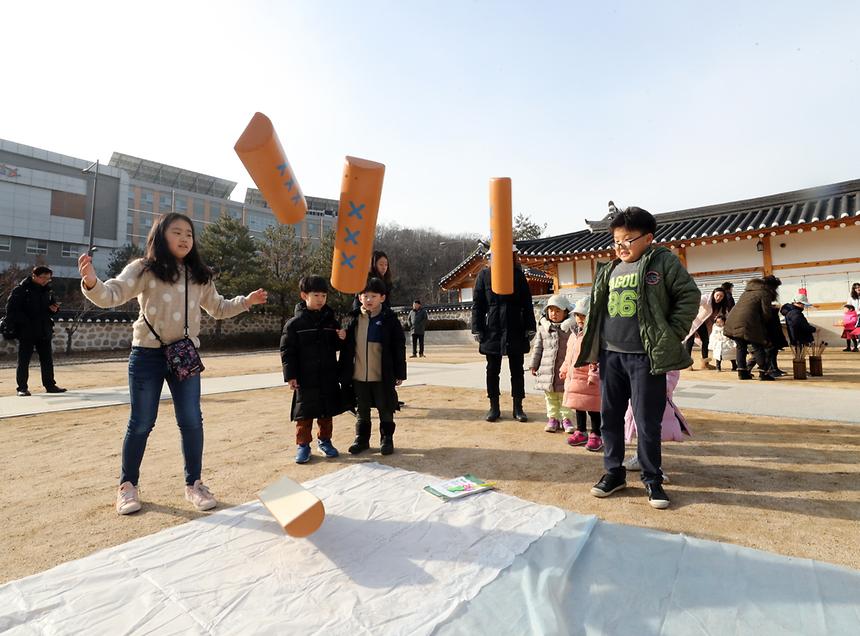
147	371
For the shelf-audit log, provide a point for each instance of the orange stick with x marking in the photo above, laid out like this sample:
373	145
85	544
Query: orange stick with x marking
360	192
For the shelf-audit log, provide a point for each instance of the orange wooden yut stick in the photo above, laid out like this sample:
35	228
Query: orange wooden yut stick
501	236
298	511
260	150
360	192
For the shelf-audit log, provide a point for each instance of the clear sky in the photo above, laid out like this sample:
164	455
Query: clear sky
665	105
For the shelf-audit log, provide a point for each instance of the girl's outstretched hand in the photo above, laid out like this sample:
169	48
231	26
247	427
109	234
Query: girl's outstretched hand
258	297
87	271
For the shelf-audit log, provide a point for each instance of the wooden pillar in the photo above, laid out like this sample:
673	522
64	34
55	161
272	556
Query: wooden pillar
682	256
592	270
767	256
553	268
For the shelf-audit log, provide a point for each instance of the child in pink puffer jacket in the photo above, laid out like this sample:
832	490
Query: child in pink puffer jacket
582	387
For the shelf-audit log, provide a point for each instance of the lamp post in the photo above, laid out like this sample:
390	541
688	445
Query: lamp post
92	248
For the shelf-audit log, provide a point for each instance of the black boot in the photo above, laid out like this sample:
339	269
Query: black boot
744	374
386	438
764	375
519	415
495	412
362	438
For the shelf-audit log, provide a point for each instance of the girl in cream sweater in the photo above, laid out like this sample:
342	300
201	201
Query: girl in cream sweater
171	284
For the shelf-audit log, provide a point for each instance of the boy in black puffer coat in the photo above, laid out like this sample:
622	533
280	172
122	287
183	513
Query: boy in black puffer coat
309	346
373	365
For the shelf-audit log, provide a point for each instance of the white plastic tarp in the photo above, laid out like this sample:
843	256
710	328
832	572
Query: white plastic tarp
587	577
389	558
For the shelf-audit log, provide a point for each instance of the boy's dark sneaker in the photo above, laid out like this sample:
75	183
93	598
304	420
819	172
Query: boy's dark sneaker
303	453
387	445
55	389
744	374
24	393
657	496
607	485
767	377
327	448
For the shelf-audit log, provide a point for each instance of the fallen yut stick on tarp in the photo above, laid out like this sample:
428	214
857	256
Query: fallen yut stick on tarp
298	511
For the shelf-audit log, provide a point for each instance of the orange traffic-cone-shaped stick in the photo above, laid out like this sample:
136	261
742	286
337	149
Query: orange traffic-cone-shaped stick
260	150
501	236
360	192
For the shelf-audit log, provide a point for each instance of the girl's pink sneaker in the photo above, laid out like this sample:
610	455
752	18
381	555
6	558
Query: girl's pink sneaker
568	426
577	439
595	443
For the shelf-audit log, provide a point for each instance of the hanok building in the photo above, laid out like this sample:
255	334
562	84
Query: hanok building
809	238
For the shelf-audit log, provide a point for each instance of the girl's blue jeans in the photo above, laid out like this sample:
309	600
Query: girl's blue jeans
147	371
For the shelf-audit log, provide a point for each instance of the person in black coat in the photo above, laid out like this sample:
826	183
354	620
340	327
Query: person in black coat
799	329
777	343
30	307
373	365
503	326
309	346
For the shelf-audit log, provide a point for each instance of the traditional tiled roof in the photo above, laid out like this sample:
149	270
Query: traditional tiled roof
838	202
478	255
536	274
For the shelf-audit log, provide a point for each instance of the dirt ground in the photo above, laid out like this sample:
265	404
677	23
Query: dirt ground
790	487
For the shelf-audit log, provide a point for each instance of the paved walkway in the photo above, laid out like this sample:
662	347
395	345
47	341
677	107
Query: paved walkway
783	398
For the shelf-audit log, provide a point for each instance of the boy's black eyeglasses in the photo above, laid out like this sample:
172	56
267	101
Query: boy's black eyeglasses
626	244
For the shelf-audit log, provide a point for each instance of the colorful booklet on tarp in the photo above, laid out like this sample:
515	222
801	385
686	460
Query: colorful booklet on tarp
458	487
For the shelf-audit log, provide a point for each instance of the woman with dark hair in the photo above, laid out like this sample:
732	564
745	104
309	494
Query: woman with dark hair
749	323
171	283
380	267
854	297
710	306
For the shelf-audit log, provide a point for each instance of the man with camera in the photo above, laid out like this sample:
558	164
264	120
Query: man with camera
29	309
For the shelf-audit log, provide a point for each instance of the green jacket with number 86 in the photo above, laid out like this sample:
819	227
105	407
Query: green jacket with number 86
668	300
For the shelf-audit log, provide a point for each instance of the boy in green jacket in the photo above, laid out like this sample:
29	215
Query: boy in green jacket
643	304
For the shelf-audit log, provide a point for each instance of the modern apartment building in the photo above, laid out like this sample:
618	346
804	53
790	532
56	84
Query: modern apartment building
46	203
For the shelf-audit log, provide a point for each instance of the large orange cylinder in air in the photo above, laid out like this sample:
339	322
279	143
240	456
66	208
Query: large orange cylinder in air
260	150
360	191
501	236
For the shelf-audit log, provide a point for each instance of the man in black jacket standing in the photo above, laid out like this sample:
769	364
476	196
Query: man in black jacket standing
504	326
30	307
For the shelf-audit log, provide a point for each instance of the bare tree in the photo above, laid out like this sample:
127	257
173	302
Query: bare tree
9	278
525	228
419	258
284	258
